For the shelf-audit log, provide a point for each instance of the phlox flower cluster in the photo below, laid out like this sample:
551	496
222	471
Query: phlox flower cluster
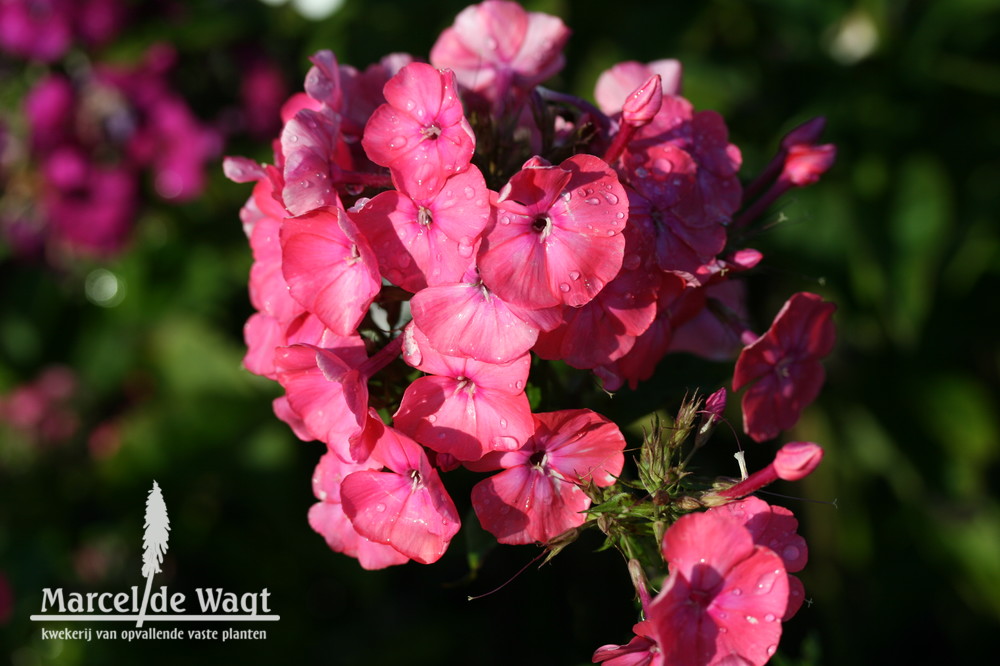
431	232
88	133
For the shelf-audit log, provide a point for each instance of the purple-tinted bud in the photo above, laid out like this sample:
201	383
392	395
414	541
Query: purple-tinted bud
807	133
715	404
644	103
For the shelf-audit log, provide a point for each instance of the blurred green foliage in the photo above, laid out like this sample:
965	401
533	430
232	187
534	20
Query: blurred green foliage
902	234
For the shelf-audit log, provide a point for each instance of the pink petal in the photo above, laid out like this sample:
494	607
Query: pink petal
329	267
524	505
468	319
329	396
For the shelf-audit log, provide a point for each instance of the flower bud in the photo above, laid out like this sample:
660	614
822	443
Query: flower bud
805	134
797	460
644	103
804	163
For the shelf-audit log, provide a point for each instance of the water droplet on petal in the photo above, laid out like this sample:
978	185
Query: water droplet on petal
593	201
790	553
771	649
505	443
574	275
752	620
432	418
564	287
770	617
611	198
380	507
766	582
737	591
465	247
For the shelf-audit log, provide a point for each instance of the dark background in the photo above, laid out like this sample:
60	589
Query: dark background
902	518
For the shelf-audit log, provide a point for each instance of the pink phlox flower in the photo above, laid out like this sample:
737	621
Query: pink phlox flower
327	391
420	133
558	234
323	80
327	517
314	155
267	287
782	367
710	320
329	267
467	318
499	51
616	84
725	597
538	495
432	241
642	650
665	192
363	90
406	507
776	528
606	328
649	347
464	407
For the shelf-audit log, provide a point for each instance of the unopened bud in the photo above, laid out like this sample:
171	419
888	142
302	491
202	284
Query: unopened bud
644	103
715	404
807	133
804	164
797	460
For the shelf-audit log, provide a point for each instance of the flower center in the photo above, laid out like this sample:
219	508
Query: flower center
431	132
542	226
424	218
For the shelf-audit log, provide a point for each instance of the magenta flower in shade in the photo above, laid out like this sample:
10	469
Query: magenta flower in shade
37	29
649	347
432	241
782	367
50	109
774	527
420	133
557	239
329	267
538	495
464	407
499	51
725	597
89	207
406	507
327	516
